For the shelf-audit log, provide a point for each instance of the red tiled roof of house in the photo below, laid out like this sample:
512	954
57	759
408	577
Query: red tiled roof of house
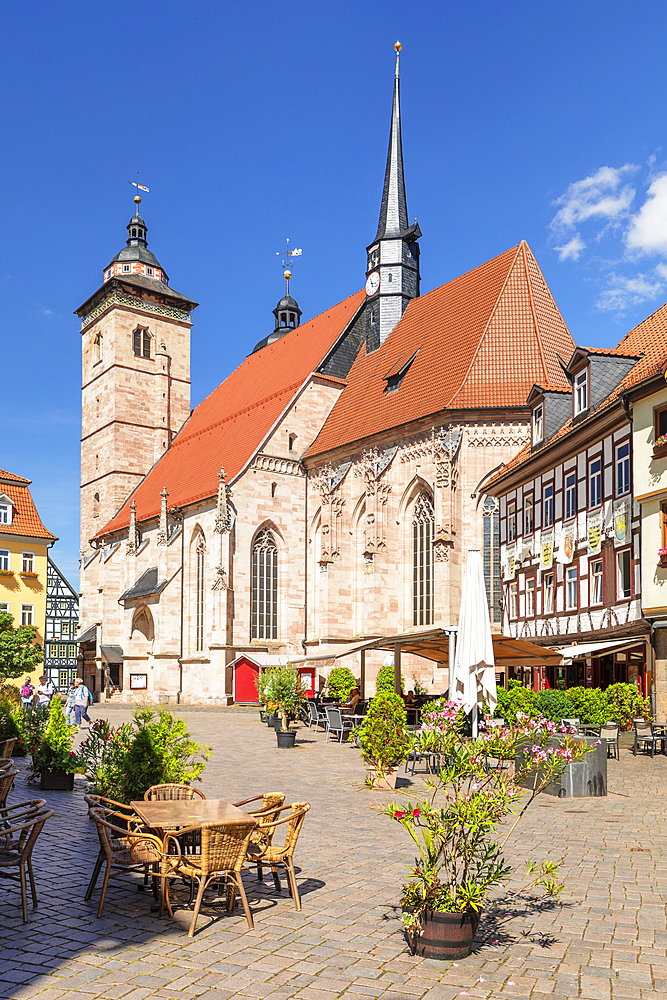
25	520
230	424
648	339
483	340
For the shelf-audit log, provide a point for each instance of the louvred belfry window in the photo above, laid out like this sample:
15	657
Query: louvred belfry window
265	586
423	524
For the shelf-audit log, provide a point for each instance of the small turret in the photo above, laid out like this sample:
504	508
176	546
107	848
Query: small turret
136	258
288	317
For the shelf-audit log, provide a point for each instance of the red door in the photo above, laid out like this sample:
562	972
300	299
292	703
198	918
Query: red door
308	676
245	676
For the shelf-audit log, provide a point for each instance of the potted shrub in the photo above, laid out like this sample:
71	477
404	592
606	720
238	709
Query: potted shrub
52	756
384	740
384	682
460	862
340	682
286	689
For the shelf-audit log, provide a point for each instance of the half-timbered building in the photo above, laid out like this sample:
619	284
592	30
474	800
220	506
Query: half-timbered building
62	622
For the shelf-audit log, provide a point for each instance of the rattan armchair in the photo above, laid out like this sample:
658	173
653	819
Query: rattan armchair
6	748
20	839
262	849
160	793
270	809
6	781
223	850
128	851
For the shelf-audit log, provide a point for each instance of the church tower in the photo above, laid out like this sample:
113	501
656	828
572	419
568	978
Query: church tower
135	333
392	275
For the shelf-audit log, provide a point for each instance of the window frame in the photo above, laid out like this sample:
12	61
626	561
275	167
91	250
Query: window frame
7	505
511	521
663	523
28	562
546	576
30	610
6	554
625	443
538	424
531	579
126	269
657	412
591	461
567	492
568	571
577	384
265	624
423	573
545	487
513	600
625	551
598	561
4	608
529	501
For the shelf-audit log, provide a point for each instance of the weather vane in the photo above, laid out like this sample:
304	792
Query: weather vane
140	187
287	262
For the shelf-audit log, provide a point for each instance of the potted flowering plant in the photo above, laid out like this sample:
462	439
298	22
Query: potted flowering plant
52	756
384	740
454	828
662	557
660	446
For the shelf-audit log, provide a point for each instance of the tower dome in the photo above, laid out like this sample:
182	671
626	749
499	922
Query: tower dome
136	258
288	317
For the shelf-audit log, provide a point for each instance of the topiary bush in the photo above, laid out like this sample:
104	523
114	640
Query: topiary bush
517	698
383	736
554	705
626	703
384	681
340	683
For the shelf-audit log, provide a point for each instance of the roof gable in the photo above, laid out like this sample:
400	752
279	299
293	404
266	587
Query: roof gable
25	519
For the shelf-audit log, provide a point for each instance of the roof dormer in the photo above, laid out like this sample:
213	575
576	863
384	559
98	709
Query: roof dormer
6	510
550	410
594	373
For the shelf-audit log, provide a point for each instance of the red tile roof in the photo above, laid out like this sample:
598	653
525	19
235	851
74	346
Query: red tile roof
484	339
25	521
230	424
649	339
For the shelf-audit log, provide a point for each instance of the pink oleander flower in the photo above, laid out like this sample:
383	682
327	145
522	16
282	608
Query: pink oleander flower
398	814
416	813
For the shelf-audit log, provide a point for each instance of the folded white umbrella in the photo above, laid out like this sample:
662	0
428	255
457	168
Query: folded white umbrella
474	672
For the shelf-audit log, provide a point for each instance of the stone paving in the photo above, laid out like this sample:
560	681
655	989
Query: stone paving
605	938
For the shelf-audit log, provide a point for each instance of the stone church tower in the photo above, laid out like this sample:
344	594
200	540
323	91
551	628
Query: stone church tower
135	348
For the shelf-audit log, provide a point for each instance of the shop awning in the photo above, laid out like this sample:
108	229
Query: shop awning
601	648
332	651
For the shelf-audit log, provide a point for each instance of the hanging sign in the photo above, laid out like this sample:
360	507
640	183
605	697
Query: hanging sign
567	542
510	561
621	521
547	550
594	532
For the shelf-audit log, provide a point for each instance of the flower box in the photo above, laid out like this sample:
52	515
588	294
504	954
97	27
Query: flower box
6	572
660	450
662	559
29	575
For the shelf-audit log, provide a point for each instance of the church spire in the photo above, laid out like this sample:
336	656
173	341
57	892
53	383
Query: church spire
394	208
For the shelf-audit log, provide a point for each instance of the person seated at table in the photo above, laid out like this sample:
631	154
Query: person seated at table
355	696
409	700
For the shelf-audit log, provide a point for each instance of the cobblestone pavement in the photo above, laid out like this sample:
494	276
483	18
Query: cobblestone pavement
606	937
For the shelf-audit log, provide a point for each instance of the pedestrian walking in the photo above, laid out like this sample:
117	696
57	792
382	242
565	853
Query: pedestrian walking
27	693
69	704
45	691
82	699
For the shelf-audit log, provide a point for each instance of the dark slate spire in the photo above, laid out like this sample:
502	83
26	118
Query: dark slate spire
137	247
394	209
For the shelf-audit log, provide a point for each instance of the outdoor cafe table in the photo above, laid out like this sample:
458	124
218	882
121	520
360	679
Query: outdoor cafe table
168	816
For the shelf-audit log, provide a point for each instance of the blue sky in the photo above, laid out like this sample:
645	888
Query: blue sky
251	122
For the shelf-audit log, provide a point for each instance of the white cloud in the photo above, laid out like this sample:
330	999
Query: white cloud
648	228
626	292
572	249
48	312
598	196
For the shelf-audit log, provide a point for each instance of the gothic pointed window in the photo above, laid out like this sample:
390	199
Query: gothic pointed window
491	558
200	551
265	586
423	524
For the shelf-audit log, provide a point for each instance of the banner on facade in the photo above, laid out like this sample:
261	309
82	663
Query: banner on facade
621	521
568	541
547	550
510	561
594	532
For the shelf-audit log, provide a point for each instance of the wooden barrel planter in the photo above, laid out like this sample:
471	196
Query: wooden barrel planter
56	781
445	936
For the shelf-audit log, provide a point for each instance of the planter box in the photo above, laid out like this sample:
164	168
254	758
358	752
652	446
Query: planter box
662	561
585	778
660	451
56	781
445	936
388	780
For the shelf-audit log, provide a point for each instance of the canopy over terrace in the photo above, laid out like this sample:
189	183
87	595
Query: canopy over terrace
437	644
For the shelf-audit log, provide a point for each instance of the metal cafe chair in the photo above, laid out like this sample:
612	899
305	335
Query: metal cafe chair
646	736
611	733
315	715
338	723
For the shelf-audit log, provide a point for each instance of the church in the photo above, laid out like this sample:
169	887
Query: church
327	491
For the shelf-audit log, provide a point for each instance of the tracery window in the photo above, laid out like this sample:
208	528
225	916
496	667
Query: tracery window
423	525
200	551
265	586
491	557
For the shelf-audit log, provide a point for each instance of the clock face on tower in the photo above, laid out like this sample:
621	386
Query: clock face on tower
372	283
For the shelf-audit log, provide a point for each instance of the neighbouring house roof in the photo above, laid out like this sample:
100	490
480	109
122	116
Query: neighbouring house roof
90	635
147	585
483	340
112	654
26	521
648	339
230	424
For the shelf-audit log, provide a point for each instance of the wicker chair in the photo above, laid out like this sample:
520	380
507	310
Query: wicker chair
270	809
6	781
223	850
6	748
160	793
128	851
264	851
118	810
18	851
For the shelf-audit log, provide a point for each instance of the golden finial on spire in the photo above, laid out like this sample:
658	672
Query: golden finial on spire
287	263
137	201
398	48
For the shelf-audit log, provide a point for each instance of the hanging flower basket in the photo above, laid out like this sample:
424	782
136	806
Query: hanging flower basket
6	572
